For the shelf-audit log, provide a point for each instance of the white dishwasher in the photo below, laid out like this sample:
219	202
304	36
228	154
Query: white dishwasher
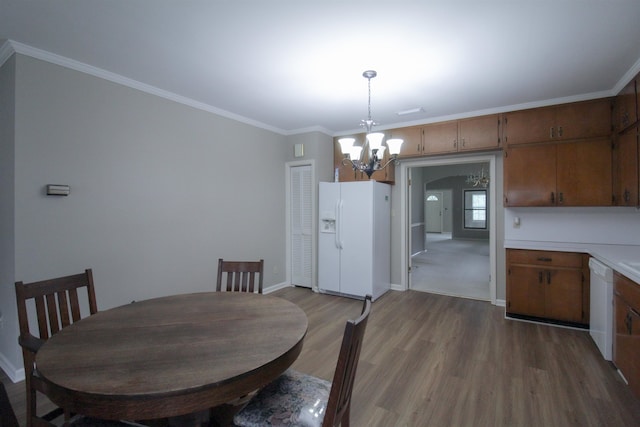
601	307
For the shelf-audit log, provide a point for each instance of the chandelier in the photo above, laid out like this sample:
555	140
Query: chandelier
354	154
478	180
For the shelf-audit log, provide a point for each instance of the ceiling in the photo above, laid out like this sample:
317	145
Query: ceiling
295	65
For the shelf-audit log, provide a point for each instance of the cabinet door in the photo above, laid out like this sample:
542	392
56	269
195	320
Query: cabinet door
526	126
479	133
412	137
626	343
626	160
440	138
626	108
525	291
584	175
530	175
564	295
590	119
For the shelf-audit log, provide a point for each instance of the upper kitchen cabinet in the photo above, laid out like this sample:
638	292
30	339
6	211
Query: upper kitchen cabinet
438	138
479	133
626	162
530	175
627	106
473	134
578	120
584	173
577	173
412	140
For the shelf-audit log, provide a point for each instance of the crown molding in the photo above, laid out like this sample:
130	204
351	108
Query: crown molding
10	47
6	50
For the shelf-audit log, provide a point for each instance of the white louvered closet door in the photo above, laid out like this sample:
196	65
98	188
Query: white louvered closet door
301	206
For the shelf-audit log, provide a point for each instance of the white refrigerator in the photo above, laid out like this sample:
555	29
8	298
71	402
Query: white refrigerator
354	238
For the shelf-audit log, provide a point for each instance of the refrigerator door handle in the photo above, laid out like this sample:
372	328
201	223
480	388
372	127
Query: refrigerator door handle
337	230
339	225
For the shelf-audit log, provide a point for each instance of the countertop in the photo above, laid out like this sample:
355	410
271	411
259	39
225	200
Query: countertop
614	256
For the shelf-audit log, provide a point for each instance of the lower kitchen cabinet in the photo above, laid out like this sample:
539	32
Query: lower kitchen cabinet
626	339
548	285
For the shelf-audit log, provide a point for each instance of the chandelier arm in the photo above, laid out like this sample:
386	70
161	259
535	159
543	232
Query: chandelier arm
347	161
394	159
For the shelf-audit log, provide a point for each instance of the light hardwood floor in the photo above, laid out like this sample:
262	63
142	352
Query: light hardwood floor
434	360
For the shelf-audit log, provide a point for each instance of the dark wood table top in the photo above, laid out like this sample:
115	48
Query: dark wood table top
171	356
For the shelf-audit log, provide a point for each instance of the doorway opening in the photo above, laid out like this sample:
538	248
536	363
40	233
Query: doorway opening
449	227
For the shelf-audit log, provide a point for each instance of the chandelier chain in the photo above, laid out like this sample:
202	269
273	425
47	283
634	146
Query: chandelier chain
369	105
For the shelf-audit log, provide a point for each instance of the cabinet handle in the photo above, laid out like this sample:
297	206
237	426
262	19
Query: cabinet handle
548	277
463	141
551	132
627	196
545	259
553	198
455	143
628	323
559	131
540	277
560	198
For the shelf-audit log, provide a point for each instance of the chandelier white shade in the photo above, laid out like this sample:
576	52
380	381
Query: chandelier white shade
373	142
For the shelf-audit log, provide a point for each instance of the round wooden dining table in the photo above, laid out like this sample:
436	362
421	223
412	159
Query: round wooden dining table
171	356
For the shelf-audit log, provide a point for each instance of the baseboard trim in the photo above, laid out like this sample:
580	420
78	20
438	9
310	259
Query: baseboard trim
14	374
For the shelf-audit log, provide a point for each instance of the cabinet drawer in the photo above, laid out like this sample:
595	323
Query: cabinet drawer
628	290
549	258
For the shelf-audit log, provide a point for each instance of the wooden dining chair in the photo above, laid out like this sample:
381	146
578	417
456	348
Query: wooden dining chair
240	276
297	399
57	305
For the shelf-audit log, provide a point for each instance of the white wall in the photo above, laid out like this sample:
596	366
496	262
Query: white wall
601	225
159	190
8	325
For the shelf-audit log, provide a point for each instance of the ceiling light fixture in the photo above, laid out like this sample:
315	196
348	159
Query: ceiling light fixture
354	154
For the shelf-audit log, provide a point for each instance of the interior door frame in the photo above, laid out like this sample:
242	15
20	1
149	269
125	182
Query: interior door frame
405	210
314	223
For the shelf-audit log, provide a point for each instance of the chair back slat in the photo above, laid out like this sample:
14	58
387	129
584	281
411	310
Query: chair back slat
241	276
339	402
43	319
75	305
52	312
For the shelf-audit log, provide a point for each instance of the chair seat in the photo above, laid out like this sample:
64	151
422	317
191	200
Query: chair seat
293	399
